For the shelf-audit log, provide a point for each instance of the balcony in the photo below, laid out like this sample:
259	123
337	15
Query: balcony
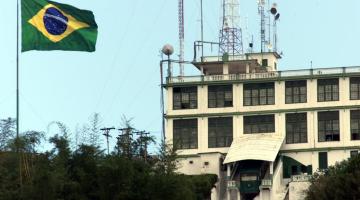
301	178
232	185
308	73
266	183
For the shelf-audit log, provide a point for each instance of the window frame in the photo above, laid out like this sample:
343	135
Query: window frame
296	127
354	120
185	94
220	130
293	86
182	133
323	160
354	153
219	96
328	90
354	81
328	120
257	124
253	94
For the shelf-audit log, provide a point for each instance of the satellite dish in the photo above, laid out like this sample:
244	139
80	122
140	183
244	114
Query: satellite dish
277	16
168	49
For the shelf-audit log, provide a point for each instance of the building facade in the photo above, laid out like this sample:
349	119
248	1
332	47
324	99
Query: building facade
262	131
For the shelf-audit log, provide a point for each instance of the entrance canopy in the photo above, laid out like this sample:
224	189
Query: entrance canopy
254	147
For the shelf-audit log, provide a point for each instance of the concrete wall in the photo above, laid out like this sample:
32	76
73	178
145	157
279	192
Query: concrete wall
297	190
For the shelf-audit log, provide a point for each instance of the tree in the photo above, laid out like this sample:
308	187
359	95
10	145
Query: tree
167	157
7	132
341	181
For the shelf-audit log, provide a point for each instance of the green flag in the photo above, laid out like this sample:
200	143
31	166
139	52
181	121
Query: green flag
47	25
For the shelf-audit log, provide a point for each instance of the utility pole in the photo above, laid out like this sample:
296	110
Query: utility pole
144	140
107	135
125	141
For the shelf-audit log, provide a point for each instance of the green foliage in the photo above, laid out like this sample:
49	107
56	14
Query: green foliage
341	181
86	172
7	132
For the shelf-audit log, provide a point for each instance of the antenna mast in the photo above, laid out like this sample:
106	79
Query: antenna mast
231	33
276	15
181	35
261	10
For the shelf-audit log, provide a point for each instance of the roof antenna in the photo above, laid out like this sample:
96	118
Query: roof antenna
276	15
231	41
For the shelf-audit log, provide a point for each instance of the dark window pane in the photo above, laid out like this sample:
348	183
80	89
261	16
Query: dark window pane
354	153
328	90
355	124
259	124
259	94
220	96
323	160
328	126
295	91
185	133
220	132
184	98
354	88
296	128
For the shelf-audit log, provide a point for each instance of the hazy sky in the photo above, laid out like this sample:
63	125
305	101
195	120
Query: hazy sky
122	76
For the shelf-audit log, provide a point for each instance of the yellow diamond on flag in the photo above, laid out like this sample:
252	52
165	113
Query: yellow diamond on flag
55	24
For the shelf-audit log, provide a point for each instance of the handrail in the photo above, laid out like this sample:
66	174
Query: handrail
267	75
301	178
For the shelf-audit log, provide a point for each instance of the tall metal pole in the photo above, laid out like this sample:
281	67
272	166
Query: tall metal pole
17	69
162	101
17	93
202	30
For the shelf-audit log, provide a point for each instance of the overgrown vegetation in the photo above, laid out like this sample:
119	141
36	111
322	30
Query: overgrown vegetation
341	181
87	172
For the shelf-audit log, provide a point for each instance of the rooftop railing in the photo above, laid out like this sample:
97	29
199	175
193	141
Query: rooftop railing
266	75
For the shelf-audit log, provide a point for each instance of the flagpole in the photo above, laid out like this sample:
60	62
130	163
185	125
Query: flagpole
17	69
17	94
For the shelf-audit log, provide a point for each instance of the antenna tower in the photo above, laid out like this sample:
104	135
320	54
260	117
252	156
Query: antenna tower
231	33
181	35
261	10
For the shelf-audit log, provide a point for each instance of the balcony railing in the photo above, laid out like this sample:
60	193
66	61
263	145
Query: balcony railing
266	183
301	178
233	184
267	75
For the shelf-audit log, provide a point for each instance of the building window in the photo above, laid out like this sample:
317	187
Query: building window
220	132
328	90
354	153
259	94
185	98
220	96
323	160
296	128
328	126
185	133
355	124
259	124
295	92
354	88
264	62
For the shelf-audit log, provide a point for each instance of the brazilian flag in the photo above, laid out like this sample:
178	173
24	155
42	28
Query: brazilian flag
47	25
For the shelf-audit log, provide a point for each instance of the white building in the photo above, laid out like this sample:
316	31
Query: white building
262	131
